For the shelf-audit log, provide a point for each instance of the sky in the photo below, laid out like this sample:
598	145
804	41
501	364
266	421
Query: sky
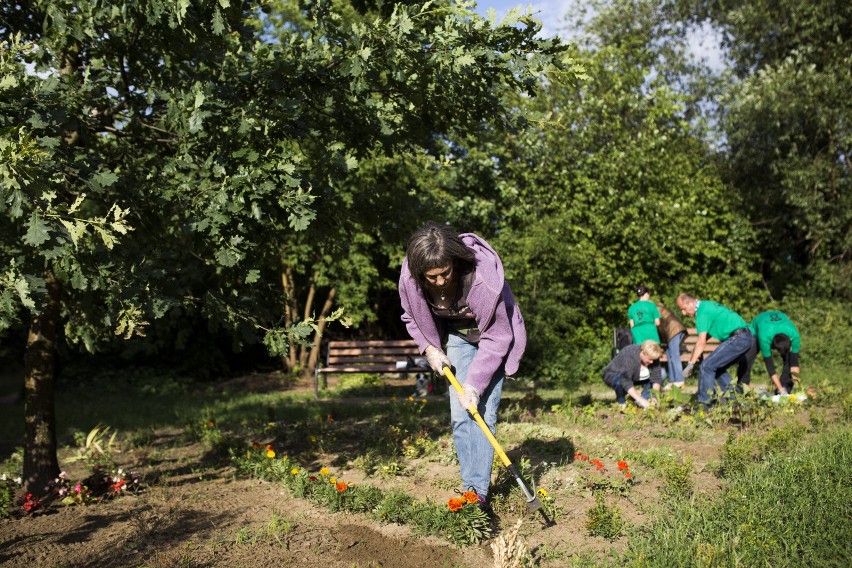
552	13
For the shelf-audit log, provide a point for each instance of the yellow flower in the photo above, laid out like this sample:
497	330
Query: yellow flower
542	492
332	480
410	399
423	401
393	399
270	453
294	471
313	439
324	471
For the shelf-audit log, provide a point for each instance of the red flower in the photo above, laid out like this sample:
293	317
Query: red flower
622	465
30	502
598	464
313	478
628	475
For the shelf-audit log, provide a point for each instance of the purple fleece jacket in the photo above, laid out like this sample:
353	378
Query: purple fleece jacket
503	335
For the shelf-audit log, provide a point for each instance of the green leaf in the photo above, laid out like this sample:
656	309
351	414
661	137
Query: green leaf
37	231
75	229
218	23
23	289
8	82
227	257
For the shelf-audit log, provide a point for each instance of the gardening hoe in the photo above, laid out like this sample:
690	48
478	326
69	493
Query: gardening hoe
533	502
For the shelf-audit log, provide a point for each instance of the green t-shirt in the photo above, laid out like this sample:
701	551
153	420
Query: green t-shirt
717	320
643	313
768	324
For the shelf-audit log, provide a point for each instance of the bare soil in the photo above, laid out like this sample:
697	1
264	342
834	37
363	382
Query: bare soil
197	513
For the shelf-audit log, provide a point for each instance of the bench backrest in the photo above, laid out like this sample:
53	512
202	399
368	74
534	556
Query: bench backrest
348	353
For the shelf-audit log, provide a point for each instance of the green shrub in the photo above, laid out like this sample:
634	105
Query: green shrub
7	497
738	452
604	520
677	479
395	507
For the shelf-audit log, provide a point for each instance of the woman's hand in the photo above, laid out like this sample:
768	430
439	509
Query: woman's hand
469	396
437	359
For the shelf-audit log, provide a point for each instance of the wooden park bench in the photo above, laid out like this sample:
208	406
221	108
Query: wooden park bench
687	346
377	357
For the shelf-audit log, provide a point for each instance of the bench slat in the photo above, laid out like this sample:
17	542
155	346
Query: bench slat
365	369
408	343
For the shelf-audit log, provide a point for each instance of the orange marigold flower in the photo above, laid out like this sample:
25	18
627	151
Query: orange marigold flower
455	504
628	475
211	424
341	486
268	447
622	465
470	497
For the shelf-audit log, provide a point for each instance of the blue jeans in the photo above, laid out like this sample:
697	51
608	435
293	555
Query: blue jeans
621	394
674	366
714	368
475	452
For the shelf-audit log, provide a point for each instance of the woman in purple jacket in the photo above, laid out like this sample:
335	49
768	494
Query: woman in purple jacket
460	311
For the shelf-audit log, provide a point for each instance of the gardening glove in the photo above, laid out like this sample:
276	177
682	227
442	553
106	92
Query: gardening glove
688	371
470	395
436	359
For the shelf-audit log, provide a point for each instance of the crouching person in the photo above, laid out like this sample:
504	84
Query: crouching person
635	367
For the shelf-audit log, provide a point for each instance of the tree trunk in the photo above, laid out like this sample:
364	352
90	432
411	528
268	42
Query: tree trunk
307	369
40	463
290	310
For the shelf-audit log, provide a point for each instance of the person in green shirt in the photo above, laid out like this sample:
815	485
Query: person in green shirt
644	317
774	330
712	319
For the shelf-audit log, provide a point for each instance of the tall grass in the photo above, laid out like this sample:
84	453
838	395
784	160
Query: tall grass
793	509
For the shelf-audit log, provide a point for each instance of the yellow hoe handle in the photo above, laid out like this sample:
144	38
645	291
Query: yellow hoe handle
475	413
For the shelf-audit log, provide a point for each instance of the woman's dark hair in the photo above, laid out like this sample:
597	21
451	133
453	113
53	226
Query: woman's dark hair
435	246
782	344
642	290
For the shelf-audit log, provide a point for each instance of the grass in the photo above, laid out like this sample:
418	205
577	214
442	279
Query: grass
791	508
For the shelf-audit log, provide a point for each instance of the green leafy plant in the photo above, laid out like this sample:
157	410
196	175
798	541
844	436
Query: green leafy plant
97	448
8	487
604	520
677	478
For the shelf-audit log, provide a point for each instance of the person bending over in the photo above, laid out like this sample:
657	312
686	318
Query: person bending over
459	309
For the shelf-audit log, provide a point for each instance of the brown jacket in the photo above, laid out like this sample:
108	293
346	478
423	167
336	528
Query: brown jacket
670	325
